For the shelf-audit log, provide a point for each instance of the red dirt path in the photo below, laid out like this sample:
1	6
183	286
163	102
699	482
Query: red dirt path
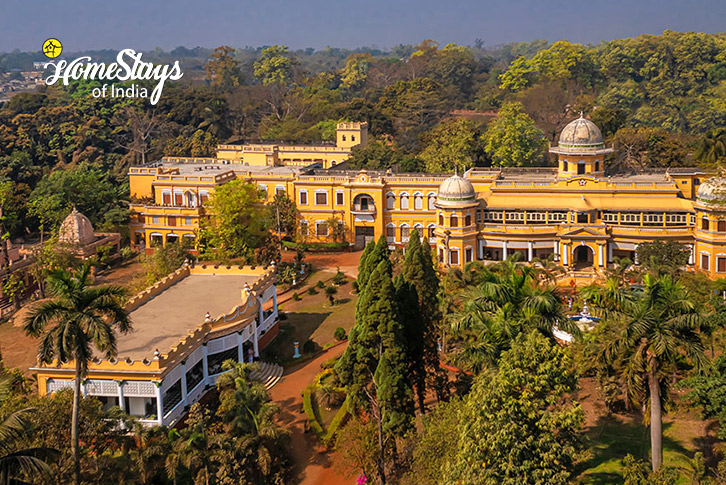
314	464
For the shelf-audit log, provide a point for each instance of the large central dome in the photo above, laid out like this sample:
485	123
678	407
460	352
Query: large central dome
581	133
455	191
712	192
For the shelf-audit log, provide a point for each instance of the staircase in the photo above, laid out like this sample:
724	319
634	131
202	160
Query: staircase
268	374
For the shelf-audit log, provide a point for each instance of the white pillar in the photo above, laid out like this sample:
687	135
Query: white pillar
121	402
601	255
610	252
504	250
262	313
530	251
274	301
159	403
565	254
205	364
691	254
635	258
255	342
184	382
240	350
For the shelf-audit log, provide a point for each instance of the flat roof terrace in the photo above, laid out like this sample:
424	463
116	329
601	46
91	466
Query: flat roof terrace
161	322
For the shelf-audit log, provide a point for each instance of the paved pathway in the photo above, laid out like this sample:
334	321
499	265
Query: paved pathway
313	463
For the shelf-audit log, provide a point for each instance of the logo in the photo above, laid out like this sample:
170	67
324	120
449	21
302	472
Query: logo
52	48
128	67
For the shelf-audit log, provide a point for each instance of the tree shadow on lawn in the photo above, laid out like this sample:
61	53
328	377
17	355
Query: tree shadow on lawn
299	326
611	439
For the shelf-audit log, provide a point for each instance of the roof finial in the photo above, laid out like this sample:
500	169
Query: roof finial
456	170
582	116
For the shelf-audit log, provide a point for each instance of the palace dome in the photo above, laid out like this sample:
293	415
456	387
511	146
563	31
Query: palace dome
76	229
581	133
712	191
455	191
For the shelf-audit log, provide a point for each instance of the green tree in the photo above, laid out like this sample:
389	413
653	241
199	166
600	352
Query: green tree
515	427
663	257
85	188
75	321
453	143
512	139
222	69
708	391
354	74
420	318
282	215
235	223
647	333
17	463
330	292
274	66
711	149
505	304
378	155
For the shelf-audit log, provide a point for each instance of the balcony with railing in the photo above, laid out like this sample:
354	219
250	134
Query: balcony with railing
363	204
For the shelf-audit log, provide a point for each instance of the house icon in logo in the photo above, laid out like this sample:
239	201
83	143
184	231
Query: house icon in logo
52	48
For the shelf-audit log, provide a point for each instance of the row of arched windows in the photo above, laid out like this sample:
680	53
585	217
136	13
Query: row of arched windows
404	231
405	203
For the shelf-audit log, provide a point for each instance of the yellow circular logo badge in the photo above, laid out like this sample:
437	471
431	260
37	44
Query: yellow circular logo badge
52	48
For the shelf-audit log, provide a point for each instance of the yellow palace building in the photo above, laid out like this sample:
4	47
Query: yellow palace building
578	212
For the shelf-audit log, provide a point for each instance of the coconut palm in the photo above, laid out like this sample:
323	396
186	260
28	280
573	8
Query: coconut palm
77	319
16	464
507	303
712	148
648	332
548	268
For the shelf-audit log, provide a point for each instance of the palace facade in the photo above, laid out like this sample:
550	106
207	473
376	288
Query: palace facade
579	212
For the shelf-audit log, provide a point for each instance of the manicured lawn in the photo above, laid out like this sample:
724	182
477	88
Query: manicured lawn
312	318
611	438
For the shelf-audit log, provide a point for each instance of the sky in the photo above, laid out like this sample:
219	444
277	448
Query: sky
146	24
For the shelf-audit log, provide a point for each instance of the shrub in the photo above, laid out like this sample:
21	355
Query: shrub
309	412
339	278
354	285
296	297
340	334
127	252
330	292
281	315
309	347
311	291
320	284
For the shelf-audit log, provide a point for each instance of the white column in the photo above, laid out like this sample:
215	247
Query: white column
530	251
600	255
121	402
274	301
691	254
504	250
240	350
262	313
610	252
184	382
635	257
159	403
565	254
205	364
255	343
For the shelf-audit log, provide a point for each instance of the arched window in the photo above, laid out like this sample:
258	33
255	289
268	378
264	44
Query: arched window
597	166
418	201
420	229
441	219
404	201
430	234
343	137
432	201
404	233
454	221
564	165
352	137
390	201
467	220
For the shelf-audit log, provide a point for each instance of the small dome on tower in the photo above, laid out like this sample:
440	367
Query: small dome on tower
581	133
76	229
455	191
712	191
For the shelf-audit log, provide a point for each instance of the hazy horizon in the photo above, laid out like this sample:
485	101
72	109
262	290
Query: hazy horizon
87	25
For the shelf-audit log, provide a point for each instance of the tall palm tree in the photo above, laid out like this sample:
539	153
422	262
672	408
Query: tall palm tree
548	268
508	302
648	332
74	321
712	148
17	464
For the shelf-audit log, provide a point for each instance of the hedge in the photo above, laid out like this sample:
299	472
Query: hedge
337	421
310	413
315	247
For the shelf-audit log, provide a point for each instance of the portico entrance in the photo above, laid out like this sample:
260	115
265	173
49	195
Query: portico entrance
583	257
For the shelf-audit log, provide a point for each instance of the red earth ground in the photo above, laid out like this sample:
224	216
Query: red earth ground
314	464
